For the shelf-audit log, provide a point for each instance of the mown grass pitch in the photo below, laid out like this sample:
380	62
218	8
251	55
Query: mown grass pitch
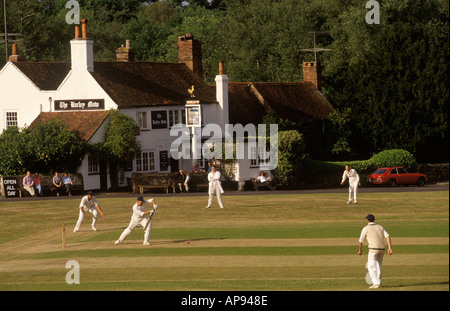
270	242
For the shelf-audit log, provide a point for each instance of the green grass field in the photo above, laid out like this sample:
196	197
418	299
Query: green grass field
270	242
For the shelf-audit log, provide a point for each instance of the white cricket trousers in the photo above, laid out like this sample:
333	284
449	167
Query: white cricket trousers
374	263
353	191
94	213
218	194
133	224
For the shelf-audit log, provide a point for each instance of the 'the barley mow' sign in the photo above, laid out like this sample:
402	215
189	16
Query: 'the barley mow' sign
79	104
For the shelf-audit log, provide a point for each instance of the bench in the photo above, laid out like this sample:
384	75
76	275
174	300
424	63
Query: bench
165	187
202	186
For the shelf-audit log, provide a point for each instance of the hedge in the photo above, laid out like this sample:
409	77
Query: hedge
392	157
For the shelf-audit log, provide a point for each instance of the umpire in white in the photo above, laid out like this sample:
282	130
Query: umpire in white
88	204
375	235
214	187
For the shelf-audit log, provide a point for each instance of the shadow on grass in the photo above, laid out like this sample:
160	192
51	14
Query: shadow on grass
417	284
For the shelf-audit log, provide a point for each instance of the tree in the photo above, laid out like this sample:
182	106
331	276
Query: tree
290	150
393	76
120	145
206	26
12	152
46	148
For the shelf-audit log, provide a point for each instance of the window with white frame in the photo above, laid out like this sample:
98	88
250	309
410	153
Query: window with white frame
93	165
174	117
11	119
142	119
256	159
145	161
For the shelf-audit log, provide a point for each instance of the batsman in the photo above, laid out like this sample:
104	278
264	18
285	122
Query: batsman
140	217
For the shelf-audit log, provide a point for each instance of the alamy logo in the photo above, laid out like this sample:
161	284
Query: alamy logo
373	16
262	147
73	16
73	276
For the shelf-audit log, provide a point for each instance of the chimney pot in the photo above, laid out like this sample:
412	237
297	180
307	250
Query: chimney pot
128	44
77	31
220	67
15	57
14	49
84	28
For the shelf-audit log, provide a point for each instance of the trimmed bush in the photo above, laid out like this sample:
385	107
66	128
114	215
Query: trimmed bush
392	157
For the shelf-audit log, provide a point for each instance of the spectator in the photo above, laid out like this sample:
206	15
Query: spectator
37	184
209	167
184	180
57	182
269	180
67	181
28	183
197	169
261	181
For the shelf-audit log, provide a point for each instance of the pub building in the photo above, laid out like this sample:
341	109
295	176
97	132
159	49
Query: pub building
81	93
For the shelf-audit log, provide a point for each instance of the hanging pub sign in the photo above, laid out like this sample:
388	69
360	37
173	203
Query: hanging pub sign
159	119
193	113
79	104
10	187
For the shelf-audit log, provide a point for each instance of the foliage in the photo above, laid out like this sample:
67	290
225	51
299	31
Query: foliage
291	146
46	148
393	157
54	148
12	152
120	142
389	81
393	76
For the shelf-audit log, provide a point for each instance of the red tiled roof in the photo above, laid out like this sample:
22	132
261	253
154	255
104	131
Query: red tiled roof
45	75
83	123
134	84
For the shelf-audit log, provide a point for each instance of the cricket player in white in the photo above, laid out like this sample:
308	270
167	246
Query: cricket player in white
353	182
137	218
375	235
214	187
88	203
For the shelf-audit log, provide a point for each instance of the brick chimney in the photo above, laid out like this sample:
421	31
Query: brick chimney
125	53
82	49
190	53
15	57
312	72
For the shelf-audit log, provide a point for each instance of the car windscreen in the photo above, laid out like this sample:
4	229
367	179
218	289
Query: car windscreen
380	171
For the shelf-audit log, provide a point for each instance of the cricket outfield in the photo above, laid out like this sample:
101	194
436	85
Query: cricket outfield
265	242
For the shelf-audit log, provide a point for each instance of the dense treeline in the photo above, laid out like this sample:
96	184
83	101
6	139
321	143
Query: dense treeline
387	81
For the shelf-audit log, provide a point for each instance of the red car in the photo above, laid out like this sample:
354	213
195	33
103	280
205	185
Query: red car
393	176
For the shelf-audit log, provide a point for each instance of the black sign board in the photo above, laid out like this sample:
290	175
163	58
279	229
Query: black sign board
159	119
163	160
10	186
79	104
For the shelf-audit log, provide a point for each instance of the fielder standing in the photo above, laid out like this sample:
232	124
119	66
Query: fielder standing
353	183
375	235
88	203
214	186
138	217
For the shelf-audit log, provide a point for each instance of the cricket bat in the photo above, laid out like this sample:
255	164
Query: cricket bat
150	216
